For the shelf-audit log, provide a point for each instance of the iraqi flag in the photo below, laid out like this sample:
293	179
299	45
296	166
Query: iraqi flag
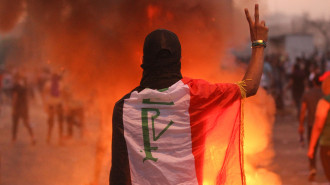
189	134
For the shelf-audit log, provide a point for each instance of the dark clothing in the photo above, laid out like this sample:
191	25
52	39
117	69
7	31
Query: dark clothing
311	98
20	108
120	172
161	60
298	78
75	117
55	110
298	87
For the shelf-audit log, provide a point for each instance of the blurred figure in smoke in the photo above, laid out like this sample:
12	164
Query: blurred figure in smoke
52	98
43	75
20	106
267	78
309	103
278	74
7	85
74	113
297	85
162	102
321	129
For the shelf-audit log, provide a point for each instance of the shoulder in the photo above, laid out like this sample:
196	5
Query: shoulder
120	102
204	83
205	88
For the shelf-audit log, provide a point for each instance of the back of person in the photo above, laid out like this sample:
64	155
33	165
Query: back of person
164	132
298	84
20	90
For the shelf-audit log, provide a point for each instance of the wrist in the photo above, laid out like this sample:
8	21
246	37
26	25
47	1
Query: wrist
258	44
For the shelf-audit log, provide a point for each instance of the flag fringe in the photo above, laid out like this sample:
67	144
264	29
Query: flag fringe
242	85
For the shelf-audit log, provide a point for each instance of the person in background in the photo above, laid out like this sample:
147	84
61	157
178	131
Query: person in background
52	98
20	107
267	78
321	129
74	112
309	103
297	85
7	85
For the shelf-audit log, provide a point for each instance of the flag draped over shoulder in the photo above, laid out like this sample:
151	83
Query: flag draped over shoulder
189	133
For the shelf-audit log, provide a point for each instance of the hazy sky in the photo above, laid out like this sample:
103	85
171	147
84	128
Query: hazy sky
315	8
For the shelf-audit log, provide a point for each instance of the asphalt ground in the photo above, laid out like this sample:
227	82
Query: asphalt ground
72	163
290	161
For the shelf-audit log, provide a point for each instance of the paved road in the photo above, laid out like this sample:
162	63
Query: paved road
43	164
73	163
290	161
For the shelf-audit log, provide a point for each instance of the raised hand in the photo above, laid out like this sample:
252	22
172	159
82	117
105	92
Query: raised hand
258	30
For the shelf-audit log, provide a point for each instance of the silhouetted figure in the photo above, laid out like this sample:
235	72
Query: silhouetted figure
297	84
20	106
160	127
74	113
54	106
309	103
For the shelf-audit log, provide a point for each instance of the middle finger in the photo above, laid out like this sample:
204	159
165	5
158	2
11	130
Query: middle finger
256	13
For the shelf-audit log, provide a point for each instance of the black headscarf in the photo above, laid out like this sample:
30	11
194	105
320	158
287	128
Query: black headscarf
161	60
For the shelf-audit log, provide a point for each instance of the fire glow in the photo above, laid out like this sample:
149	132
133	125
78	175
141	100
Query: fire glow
100	44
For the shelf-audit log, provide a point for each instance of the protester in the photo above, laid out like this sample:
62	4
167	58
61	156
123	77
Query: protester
20	109
7	85
297	85
278	74
309	103
52	98
74	113
321	129
181	112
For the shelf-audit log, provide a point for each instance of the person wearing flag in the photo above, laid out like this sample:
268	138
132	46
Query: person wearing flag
160	127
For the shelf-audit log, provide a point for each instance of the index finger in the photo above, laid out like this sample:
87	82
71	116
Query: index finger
256	13
248	17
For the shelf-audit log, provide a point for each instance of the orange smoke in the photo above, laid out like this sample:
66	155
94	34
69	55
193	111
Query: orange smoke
99	43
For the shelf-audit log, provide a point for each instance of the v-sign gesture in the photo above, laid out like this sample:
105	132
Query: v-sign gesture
259	35
258	30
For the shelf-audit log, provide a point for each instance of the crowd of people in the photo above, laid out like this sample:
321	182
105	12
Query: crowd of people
281	75
304	83
21	88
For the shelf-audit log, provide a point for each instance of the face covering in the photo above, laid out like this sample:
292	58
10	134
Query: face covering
161	60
